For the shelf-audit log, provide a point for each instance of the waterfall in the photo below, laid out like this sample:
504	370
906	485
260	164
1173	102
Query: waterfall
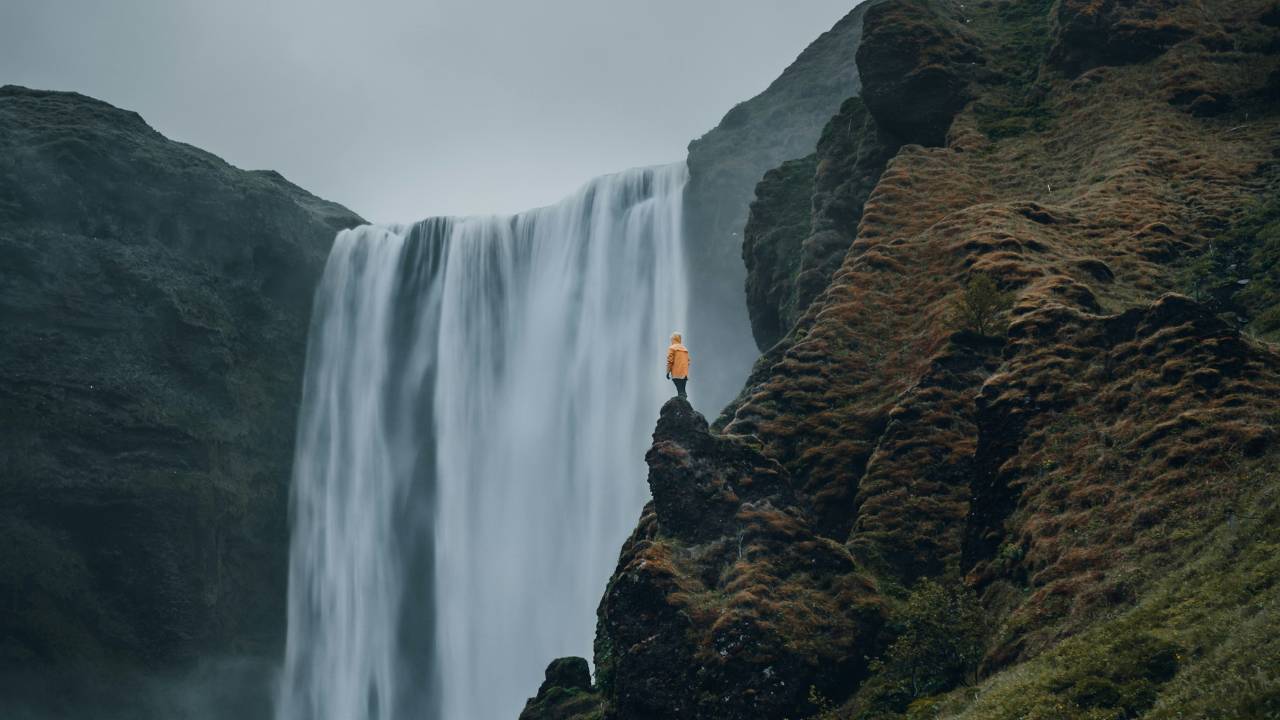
478	399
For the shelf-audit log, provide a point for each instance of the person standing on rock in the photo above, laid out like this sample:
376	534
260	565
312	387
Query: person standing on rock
678	363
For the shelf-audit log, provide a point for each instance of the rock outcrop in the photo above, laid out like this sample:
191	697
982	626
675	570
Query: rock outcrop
1089	33
920	61
725	603
783	122
566	693
154	307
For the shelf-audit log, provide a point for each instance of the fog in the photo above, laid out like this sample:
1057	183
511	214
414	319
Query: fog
217	688
401	109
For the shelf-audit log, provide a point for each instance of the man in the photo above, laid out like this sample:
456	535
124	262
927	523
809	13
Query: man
678	363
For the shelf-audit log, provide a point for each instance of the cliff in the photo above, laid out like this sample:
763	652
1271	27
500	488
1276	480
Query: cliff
783	122
154	306
909	514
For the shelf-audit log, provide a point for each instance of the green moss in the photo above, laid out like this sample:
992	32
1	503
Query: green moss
1019	32
1204	643
1240	273
1011	120
565	704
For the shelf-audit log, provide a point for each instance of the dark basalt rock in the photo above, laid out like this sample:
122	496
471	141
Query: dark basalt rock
154	306
699	480
916	66
571	673
780	221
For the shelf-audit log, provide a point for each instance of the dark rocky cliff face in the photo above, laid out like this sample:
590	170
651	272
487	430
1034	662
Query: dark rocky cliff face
1072	517
154	305
781	123
726	603
806	215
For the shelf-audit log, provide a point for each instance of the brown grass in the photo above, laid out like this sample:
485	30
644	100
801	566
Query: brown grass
1117	425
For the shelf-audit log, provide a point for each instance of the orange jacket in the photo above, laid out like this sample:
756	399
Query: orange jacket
678	360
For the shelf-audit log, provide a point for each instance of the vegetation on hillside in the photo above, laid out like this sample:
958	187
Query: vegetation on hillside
1240	273
1059	498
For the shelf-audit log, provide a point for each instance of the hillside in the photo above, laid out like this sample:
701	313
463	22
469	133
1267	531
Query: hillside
154	306
1066	510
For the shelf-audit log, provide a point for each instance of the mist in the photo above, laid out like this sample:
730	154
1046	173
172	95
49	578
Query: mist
214	688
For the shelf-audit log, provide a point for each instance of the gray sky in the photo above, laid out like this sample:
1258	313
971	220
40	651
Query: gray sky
401	109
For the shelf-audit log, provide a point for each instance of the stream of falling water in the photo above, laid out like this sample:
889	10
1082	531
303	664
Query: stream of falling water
478	399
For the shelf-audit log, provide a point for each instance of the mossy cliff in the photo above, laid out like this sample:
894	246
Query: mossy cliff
154	306
805	216
1073	516
782	122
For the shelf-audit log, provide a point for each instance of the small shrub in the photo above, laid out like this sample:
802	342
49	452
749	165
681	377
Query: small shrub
979	307
820	702
941	638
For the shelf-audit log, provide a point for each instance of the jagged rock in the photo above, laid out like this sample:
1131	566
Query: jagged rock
780	220
699	481
725	604
571	673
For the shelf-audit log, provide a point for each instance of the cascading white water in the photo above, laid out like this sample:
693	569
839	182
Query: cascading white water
478	399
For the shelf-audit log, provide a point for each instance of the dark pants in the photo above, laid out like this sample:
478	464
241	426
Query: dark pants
680	385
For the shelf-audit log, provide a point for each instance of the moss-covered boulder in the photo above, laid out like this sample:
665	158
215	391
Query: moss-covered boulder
918	61
566	694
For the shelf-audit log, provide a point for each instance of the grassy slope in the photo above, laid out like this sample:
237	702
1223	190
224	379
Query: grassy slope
1086	194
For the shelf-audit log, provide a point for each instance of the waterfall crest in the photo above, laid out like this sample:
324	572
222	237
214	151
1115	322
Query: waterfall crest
477	403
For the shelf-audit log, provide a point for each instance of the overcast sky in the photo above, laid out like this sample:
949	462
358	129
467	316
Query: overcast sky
401	109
